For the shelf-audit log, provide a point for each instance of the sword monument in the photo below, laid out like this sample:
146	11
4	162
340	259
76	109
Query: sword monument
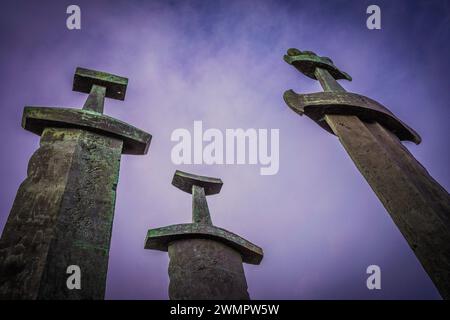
372	136
205	261
63	211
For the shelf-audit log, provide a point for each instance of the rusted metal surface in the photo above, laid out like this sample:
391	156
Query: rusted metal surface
418	205
205	261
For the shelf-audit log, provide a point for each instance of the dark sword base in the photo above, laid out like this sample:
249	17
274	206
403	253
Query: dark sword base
202	269
62	216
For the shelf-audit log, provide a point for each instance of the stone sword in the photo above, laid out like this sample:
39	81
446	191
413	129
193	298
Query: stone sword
372	136
63	211
205	261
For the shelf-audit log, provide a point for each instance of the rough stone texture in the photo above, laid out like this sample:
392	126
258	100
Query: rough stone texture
62	215
186	181
63	212
205	270
160	239
200	210
85	79
418	205
96	99
36	119
205	261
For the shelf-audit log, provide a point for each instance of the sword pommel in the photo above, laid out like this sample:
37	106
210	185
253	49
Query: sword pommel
185	181
85	79
307	62
91	118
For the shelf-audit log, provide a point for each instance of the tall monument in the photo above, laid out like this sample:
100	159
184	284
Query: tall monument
372	136
63	211
205	261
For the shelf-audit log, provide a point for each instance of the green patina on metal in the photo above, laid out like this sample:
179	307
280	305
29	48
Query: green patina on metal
371	135
184	181
336	100
205	261
201	227
160	238
96	99
307	62
84	79
36	119
88	246
64	210
317	105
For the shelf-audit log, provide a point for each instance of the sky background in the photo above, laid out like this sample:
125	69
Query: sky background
221	62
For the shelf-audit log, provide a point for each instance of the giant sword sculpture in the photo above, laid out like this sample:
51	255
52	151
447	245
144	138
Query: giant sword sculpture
372	136
205	261
63	212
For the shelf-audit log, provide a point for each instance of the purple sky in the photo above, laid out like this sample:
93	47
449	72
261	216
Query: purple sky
317	220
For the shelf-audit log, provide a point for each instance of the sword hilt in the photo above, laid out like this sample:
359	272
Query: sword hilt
201	226
328	83
200	210
99	85
308	63
200	187
335	99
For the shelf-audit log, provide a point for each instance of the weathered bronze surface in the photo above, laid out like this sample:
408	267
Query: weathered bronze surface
63	211
307	62
205	261
160	238
371	135
185	181
85	79
36	119
317	105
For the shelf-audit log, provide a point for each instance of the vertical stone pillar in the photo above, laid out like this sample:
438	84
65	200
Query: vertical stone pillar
63	212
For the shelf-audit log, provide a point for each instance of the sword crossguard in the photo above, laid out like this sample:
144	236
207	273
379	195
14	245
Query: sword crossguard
307	62
335	99
91	118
